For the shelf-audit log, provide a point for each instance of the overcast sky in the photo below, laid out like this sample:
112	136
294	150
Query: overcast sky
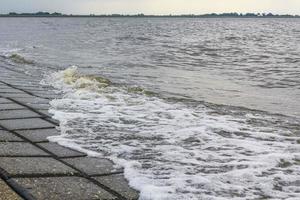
151	6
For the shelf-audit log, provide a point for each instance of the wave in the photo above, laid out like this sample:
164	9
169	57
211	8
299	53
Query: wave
173	150
20	59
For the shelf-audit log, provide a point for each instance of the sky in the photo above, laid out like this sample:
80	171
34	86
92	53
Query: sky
151	6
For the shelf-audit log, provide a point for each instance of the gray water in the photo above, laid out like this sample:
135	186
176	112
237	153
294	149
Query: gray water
226	99
253	63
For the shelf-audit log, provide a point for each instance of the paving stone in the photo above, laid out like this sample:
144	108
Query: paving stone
32	100
34	165
66	188
11	106
45	112
2	86
49	96
52	120
6	193
5	101
39	106
10	90
119	184
39	135
6	114
23	95
92	166
33	88
20	149
60	151
7	136
32	123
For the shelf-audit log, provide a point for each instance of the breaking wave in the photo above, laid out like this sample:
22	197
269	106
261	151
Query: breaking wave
20	59
176	150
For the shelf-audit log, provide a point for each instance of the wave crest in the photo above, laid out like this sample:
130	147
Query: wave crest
20	59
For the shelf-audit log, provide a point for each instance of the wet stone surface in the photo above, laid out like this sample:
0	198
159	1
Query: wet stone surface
46	170
60	151
33	123
20	149
22	95
11	106
39	135
93	166
6	136
119	183
67	188
4	100
32	165
9	90
8	114
32	100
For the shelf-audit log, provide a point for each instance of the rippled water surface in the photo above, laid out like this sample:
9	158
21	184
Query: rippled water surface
191	108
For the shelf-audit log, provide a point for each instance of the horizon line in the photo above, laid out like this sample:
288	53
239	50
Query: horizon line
225	14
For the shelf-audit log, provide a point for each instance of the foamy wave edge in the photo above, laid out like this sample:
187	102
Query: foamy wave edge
87	87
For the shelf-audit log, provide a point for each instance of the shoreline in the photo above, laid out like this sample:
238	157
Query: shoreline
34	168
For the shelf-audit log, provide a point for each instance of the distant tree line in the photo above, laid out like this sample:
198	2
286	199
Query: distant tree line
35	14
212	15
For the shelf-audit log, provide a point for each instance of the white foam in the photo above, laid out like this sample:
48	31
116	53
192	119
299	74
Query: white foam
175	151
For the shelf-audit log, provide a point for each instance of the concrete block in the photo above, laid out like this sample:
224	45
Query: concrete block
11	106
32	100
60	151
4	101
10	90
44	106
20	149
33	123
66	188
6	136
92	166
12	95
8	114
39	135
34	165
119	184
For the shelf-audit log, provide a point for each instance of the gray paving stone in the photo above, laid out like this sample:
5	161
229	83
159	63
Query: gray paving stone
7	114
5	101
22	95
34	165
119	184
20	149
92	166
33	88
39	135
52	120
11	106
3	86
7	136
50	95
66	188
32	123
39	106
60	151
32	100
45	112
9	90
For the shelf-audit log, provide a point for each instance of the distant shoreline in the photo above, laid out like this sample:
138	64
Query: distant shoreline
213	15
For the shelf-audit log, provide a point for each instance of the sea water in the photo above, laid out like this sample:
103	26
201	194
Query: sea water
190	108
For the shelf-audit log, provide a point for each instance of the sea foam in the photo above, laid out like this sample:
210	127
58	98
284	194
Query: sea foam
172	150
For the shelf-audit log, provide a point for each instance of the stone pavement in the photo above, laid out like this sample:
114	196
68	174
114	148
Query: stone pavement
33	168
